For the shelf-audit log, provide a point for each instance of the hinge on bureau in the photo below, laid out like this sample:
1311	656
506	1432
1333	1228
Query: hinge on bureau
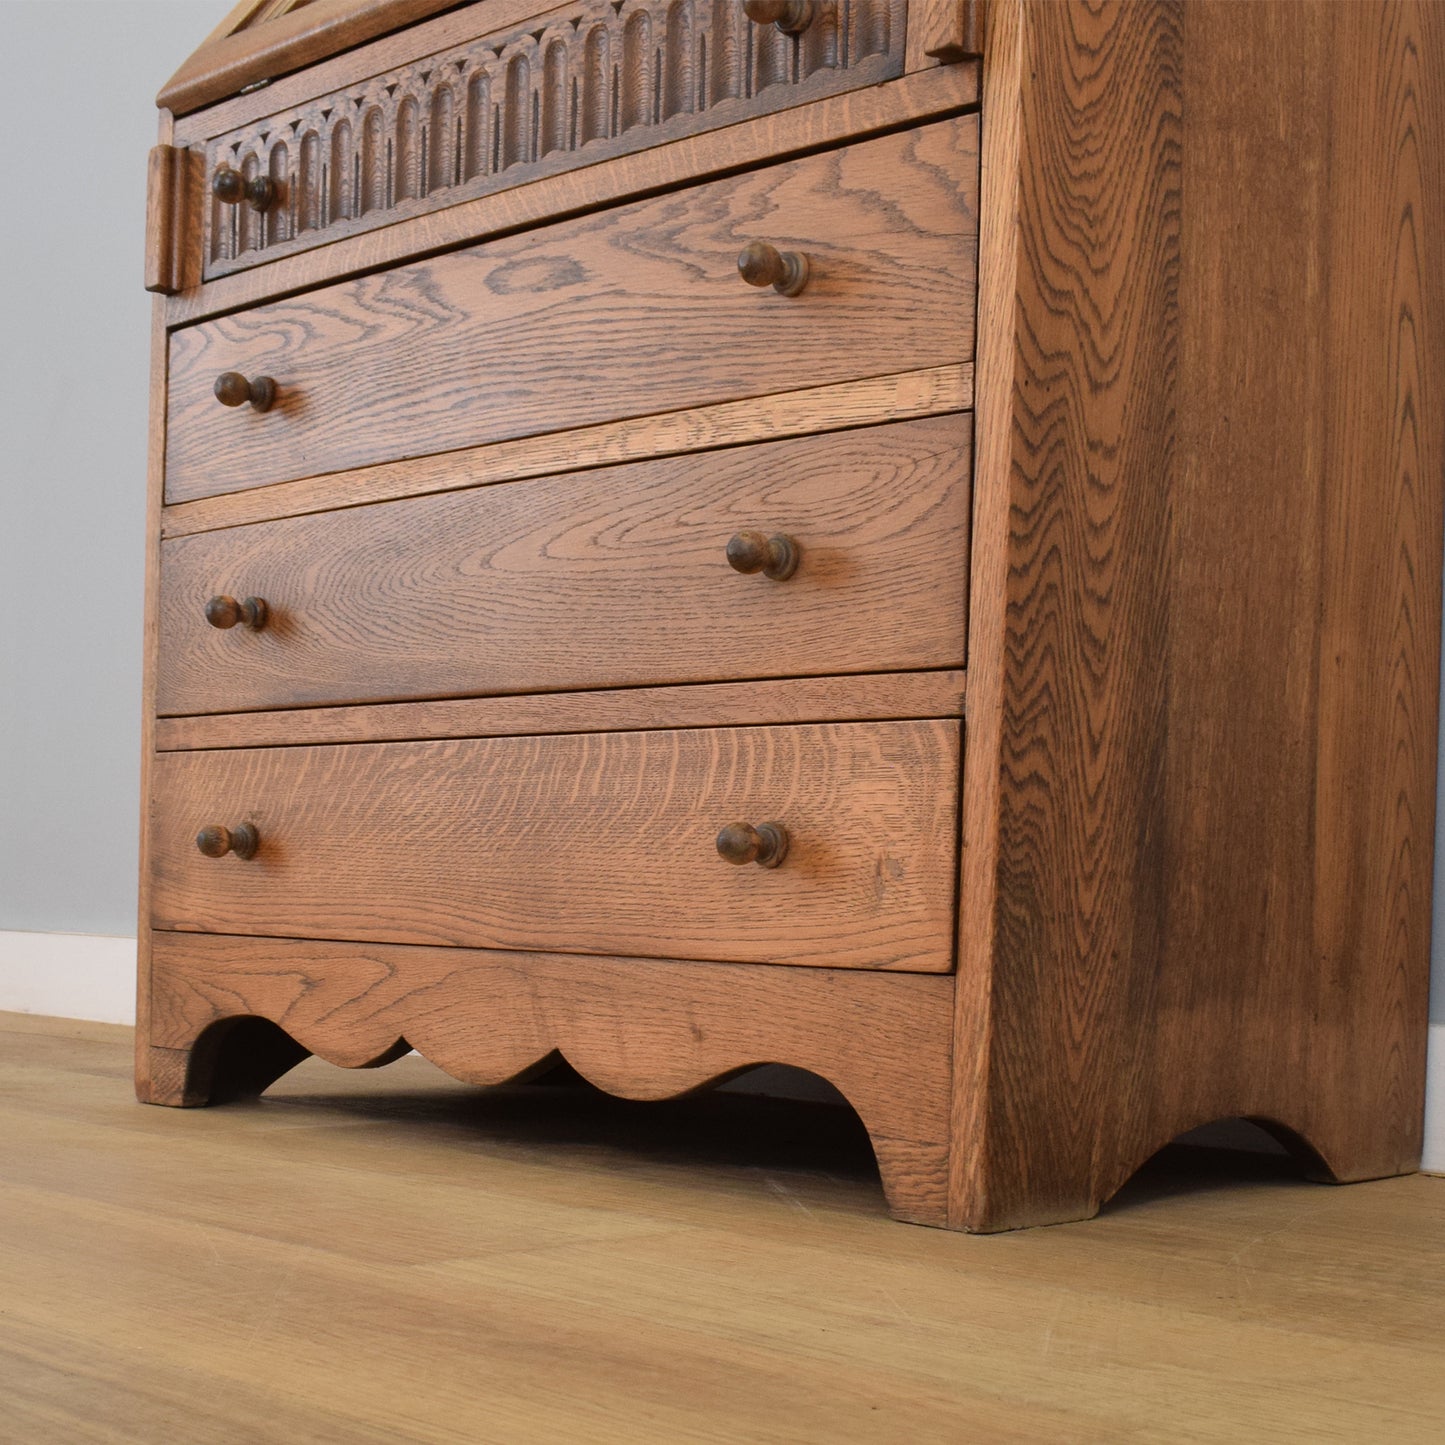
173	220
952	29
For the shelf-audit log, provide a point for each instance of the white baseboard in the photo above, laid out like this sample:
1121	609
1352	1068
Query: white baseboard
68	975
1433	1161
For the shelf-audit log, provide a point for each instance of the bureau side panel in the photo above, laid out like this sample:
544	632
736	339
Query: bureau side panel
1203	704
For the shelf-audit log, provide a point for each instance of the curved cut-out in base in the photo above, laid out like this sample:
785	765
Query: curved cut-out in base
233	1058
1297	1156
1309	1159
636	1028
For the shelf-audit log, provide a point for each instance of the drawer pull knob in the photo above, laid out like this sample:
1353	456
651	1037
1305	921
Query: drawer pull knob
776	556
790	16
760	264
230	187
765	845
216	841
233	389
226	612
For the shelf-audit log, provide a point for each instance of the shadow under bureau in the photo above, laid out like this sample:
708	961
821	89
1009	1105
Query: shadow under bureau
897	539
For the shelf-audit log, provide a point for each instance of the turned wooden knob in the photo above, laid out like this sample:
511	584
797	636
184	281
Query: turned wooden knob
216	841
765	845
790	16
760	264
233	389
226	612
230	187
776	556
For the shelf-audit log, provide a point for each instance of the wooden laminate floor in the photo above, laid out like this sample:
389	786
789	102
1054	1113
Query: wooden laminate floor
394	1257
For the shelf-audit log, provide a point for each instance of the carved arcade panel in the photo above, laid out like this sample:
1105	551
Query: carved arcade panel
591	80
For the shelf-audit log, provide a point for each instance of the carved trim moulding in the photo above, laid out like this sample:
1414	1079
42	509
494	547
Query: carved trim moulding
587	82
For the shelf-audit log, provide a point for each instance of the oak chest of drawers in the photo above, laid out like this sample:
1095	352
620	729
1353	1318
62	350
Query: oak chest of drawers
895	538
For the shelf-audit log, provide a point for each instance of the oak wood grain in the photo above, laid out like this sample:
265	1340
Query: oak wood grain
982	791
1203	685
640	1028
598	843
236	18
567	87
629	311
1377	521
1204	627
931	93
804	412
352	66
173	220
243	56
944	31
605	578
869	697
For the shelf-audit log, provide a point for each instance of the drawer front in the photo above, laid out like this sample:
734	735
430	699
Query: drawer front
584	82
599	843
605	578
627	312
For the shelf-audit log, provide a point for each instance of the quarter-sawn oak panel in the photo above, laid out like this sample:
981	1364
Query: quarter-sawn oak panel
591	843
627	312
1203	671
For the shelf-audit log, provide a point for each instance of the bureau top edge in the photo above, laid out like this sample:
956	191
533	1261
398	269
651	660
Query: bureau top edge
260	41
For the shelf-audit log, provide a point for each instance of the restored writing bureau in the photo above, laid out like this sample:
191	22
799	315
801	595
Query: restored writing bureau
898	537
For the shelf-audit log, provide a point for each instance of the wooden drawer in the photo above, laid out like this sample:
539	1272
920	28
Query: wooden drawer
593	843
560	89
603	578
626	312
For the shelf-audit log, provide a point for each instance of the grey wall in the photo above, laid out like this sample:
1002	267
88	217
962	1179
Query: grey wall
81	77
73	354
